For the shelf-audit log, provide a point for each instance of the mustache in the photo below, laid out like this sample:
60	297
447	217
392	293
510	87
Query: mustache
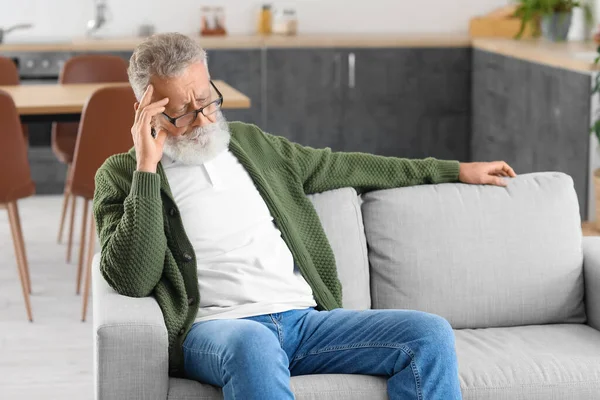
200	131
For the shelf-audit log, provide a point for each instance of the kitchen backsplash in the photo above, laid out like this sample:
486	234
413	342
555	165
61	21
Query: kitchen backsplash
67	19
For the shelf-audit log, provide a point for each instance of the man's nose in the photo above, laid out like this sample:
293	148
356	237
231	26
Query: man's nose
202	120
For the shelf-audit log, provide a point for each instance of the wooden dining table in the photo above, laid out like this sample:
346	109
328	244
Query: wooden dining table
65	102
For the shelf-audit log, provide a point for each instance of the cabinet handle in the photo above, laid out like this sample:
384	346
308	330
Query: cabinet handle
337	70
351	70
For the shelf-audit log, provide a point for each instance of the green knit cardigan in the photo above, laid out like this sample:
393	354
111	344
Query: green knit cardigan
145	250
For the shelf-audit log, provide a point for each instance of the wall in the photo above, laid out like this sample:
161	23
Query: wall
65	19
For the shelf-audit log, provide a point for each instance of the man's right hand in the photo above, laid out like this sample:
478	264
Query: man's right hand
148	149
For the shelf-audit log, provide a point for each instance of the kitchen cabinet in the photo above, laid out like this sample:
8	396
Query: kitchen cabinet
405	102
241	69
534	117
303	96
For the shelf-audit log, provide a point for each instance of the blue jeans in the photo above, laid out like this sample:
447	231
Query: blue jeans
254	357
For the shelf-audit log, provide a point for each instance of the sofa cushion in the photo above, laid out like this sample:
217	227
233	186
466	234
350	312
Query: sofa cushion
340	215
479	256
306	387
530	363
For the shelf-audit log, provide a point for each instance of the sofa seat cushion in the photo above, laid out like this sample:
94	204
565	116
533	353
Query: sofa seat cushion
307	387
536	362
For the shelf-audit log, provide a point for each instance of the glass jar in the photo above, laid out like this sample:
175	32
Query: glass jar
285	22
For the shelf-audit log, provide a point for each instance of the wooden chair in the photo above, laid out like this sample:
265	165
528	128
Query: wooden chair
9	75
92	68
105	129
15	184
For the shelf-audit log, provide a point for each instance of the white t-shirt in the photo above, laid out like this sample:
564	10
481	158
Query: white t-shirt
244	266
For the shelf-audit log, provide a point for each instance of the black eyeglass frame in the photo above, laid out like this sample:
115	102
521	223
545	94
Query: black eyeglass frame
218	101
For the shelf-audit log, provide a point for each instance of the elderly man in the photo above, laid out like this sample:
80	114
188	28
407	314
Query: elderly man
211	218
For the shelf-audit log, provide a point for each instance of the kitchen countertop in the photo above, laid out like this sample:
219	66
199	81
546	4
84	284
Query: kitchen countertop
253	41
576	56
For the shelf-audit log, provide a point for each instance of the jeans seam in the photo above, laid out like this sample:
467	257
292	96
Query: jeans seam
415	370
192	350
279	333
406	350
348	347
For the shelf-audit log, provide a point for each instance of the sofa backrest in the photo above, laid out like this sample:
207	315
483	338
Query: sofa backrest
340	215
479	256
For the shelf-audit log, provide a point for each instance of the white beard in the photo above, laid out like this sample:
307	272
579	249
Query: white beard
200	145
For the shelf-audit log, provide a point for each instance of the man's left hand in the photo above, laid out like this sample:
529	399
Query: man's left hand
485	173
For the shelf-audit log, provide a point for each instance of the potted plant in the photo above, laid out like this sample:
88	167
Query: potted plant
554	16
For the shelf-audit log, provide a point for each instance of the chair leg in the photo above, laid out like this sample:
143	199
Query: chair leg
88	268
70	242
24	262
65	205
82	244
13	217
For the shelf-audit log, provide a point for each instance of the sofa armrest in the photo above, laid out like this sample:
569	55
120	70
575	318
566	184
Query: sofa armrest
131	359
591	273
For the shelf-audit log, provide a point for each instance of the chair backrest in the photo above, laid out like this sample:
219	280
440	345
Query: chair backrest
105	129
15	175
9	75
89	68
94	68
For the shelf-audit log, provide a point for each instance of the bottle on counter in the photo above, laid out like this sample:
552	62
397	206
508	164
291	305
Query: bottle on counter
264	20
285	22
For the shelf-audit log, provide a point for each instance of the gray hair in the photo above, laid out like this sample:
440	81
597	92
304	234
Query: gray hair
164	55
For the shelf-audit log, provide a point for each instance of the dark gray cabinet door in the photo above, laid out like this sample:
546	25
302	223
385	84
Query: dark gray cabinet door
532	116
303	96
241	69
407	102
501	110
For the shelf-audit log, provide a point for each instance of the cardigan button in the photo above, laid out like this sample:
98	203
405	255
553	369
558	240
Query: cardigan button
181	331
172	212
187	257
191	301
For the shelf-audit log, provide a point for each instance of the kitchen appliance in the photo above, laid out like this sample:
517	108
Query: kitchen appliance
39	67
4	31
100	20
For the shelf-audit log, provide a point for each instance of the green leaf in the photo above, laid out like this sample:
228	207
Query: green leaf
596	87
596	129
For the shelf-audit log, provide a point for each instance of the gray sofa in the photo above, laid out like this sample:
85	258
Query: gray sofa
507	267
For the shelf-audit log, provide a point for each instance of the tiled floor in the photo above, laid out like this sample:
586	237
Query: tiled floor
50	358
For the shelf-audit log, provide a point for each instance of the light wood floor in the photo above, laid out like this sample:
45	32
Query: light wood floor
50	358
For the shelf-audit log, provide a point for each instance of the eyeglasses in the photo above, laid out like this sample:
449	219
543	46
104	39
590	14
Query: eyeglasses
209	109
